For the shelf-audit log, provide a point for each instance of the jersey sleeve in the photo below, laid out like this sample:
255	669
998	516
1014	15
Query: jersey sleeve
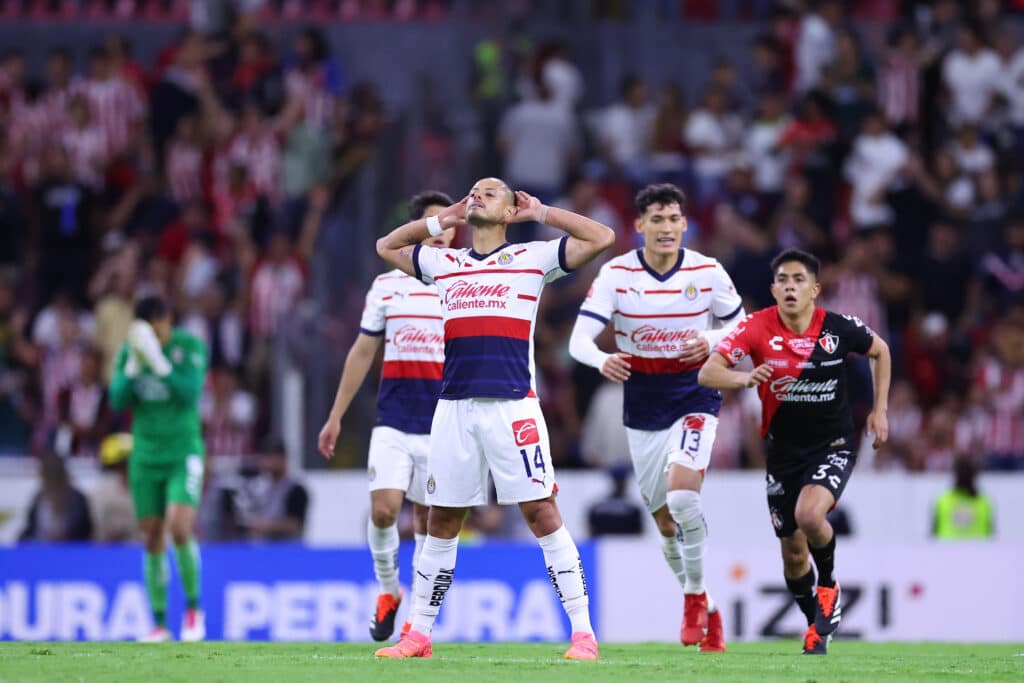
726	303
372	322
120	395
430	262
550	257
859	337
739	343
600	301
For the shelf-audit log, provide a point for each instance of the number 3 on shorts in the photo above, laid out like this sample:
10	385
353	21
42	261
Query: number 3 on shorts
822	473
538	461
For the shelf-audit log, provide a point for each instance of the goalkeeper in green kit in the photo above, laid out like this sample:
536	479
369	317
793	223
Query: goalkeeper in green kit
159	374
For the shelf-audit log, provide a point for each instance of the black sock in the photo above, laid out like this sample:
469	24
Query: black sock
825	560
803	593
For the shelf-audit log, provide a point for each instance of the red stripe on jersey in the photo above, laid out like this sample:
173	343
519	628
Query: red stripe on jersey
450	257
661	315
705	289
659	366
619	291
626	268
665	291
385	298
706	265
521	251
621	334
487	326
421	317
527	297
496	271
412	369
434	294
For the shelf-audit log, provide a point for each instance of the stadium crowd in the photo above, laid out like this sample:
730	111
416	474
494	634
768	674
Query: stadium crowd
207	176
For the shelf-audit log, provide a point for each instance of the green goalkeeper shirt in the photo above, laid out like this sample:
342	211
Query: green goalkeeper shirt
165	410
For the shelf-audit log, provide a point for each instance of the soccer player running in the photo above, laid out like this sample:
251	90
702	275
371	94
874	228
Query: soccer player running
669	306
159	373
404	314
488	417
800	355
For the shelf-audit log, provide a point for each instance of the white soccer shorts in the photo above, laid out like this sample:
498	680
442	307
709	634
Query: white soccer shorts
472	436
399	461
687	442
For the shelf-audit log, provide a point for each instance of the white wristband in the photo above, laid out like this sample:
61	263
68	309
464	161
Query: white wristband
434	226
543	216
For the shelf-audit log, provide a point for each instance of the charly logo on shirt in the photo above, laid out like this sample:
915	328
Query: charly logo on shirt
505	258
690	292
829	342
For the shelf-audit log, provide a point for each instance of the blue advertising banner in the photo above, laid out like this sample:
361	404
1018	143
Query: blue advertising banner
275	592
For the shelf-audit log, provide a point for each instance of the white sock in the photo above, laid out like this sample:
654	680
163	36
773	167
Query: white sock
434	571
384	548
420	538
673	552
686	511
565	569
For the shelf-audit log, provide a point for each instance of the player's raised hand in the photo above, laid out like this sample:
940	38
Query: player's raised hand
762	373
454	215
529	208
329	437
616	368
695	348
878	425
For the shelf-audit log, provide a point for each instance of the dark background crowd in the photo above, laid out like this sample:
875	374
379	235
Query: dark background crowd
240	158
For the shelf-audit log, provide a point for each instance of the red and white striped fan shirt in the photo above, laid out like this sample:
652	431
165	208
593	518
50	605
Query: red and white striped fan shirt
276	288
115	105
1002	429
183	169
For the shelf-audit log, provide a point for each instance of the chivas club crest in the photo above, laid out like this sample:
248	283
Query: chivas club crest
431	484
505	259
691	292
829	342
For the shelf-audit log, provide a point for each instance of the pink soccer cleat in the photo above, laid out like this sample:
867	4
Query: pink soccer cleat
411	644
584	646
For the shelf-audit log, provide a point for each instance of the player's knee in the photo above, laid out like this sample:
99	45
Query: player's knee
181	531
383	516
685	506
793	558
808	518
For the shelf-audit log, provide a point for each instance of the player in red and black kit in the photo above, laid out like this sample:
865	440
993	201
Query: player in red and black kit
800	355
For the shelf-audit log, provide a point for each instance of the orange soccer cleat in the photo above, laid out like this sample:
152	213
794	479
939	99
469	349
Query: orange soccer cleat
830	611
411	644
714	639
584	647
813	643
383	624
695	618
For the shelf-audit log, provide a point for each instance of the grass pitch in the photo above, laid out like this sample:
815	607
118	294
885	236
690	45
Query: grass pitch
498	663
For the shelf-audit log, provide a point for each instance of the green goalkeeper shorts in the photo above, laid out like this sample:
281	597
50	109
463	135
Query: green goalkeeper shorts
156	485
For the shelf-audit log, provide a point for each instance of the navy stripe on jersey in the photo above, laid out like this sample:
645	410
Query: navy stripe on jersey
561	255
603	320
407	404
654	401
416	263
371	333
733	314
486	367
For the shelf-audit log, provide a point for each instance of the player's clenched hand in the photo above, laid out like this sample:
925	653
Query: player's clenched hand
529	208
616	368
762	373
695	348
878	424
454	215
329	437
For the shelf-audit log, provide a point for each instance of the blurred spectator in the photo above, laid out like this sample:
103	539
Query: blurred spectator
539	141
816	43
905	421
1002	270
667	161
111	501
998	393
59	512
623	131
86	144
971	72
228	413
971	154
277	503
739	444
769	69
84	415
850	81
616	515
945	277
18	359
899	80
183	161
963	512
761	146
603	438
219	326
873	168
713	135
46	332
115	103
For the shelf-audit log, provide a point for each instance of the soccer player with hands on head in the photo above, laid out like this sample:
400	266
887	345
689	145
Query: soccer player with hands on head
158	374
488	418
799	352
405	315
669	306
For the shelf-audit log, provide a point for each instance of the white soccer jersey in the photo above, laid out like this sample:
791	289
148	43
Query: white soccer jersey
651	313
407	313
489	305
